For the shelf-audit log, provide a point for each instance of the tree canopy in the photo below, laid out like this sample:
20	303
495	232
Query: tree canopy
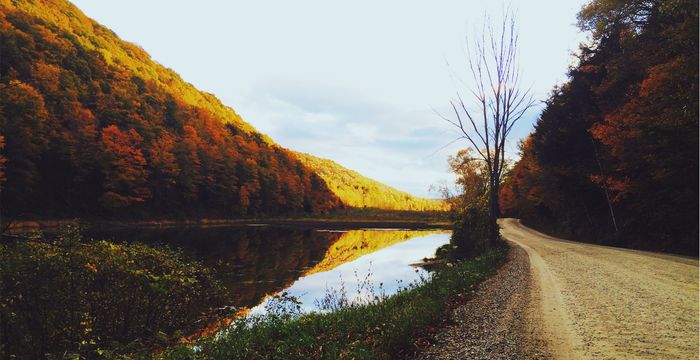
613	157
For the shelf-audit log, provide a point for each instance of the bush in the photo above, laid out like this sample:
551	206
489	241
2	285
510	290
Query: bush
470	236
69	298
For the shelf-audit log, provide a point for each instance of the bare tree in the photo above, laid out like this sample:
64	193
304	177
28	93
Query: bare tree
498	102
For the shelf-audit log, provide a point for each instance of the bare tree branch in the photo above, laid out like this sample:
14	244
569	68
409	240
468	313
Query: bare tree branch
498	96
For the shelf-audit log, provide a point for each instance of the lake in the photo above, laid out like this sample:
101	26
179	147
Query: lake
254	262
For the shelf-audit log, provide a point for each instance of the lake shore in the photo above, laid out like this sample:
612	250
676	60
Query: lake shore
331	223
396	326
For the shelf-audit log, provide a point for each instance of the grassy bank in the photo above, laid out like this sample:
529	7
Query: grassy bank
376	330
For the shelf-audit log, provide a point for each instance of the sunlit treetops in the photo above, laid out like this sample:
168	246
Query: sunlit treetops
358	191
64	31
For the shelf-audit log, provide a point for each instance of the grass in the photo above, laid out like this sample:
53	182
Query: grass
379	329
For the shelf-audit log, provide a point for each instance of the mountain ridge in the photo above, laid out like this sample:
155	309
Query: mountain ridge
357	190
93	125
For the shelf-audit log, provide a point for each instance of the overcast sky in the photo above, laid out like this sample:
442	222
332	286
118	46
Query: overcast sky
352	81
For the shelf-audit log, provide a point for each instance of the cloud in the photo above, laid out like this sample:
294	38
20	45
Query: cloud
395	146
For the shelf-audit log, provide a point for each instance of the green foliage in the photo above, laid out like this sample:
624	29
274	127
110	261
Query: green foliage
378	330
470	235
65	297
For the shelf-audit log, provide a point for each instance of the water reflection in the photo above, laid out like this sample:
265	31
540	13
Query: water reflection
363	264
250	261
255	261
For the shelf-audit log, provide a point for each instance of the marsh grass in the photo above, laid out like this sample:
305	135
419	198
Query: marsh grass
377	328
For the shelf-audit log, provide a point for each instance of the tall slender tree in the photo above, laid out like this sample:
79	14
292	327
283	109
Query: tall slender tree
498	101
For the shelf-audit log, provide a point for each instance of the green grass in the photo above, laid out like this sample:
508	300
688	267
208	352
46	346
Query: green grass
372	331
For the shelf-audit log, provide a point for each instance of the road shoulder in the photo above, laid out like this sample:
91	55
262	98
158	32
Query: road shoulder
495	322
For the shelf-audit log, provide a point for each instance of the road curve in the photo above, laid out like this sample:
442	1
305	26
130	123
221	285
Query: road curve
597	302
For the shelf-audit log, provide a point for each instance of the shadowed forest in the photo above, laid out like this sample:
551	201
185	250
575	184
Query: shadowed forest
613	158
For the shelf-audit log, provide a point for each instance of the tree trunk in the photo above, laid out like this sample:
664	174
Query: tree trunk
494	212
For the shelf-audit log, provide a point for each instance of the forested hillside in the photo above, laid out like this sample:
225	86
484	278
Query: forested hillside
356	190
614	156
92	126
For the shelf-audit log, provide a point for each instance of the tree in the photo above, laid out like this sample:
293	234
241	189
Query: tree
499	102
613	157
2	162
125	171
164	168
470	235
23	123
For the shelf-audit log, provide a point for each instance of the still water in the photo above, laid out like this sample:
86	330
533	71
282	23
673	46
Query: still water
255	262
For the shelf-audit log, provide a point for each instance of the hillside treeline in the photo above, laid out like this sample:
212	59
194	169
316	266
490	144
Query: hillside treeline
358	191
613	158
93	127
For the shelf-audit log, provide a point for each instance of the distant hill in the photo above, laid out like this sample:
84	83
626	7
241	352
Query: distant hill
356	190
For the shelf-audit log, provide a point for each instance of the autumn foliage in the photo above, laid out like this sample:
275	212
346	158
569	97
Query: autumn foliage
614	156
93	127
358	191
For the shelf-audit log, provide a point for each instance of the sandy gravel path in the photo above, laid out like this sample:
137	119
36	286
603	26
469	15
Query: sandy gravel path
492	324
596	302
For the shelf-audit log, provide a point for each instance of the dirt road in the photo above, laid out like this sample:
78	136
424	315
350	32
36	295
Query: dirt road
595	302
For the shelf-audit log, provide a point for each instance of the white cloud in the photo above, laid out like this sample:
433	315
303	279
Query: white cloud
388	144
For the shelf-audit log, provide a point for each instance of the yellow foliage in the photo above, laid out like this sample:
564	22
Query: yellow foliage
121	54
357	243
359	191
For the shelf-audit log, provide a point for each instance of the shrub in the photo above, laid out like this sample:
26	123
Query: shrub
471	233
71	298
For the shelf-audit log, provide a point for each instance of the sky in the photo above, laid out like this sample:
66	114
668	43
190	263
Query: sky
358	81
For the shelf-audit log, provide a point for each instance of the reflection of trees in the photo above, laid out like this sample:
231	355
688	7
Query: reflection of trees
356	243
250	261
254	261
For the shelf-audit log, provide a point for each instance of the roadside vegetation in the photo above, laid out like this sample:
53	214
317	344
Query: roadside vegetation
377	329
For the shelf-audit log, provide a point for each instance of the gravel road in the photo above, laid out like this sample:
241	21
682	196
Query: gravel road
558	299
596	302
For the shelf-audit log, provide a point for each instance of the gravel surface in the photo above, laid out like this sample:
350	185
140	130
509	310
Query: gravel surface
558	299
493	325
598	302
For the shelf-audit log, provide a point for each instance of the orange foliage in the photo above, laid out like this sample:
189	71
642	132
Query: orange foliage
91	121
2	161
126	173
613	157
